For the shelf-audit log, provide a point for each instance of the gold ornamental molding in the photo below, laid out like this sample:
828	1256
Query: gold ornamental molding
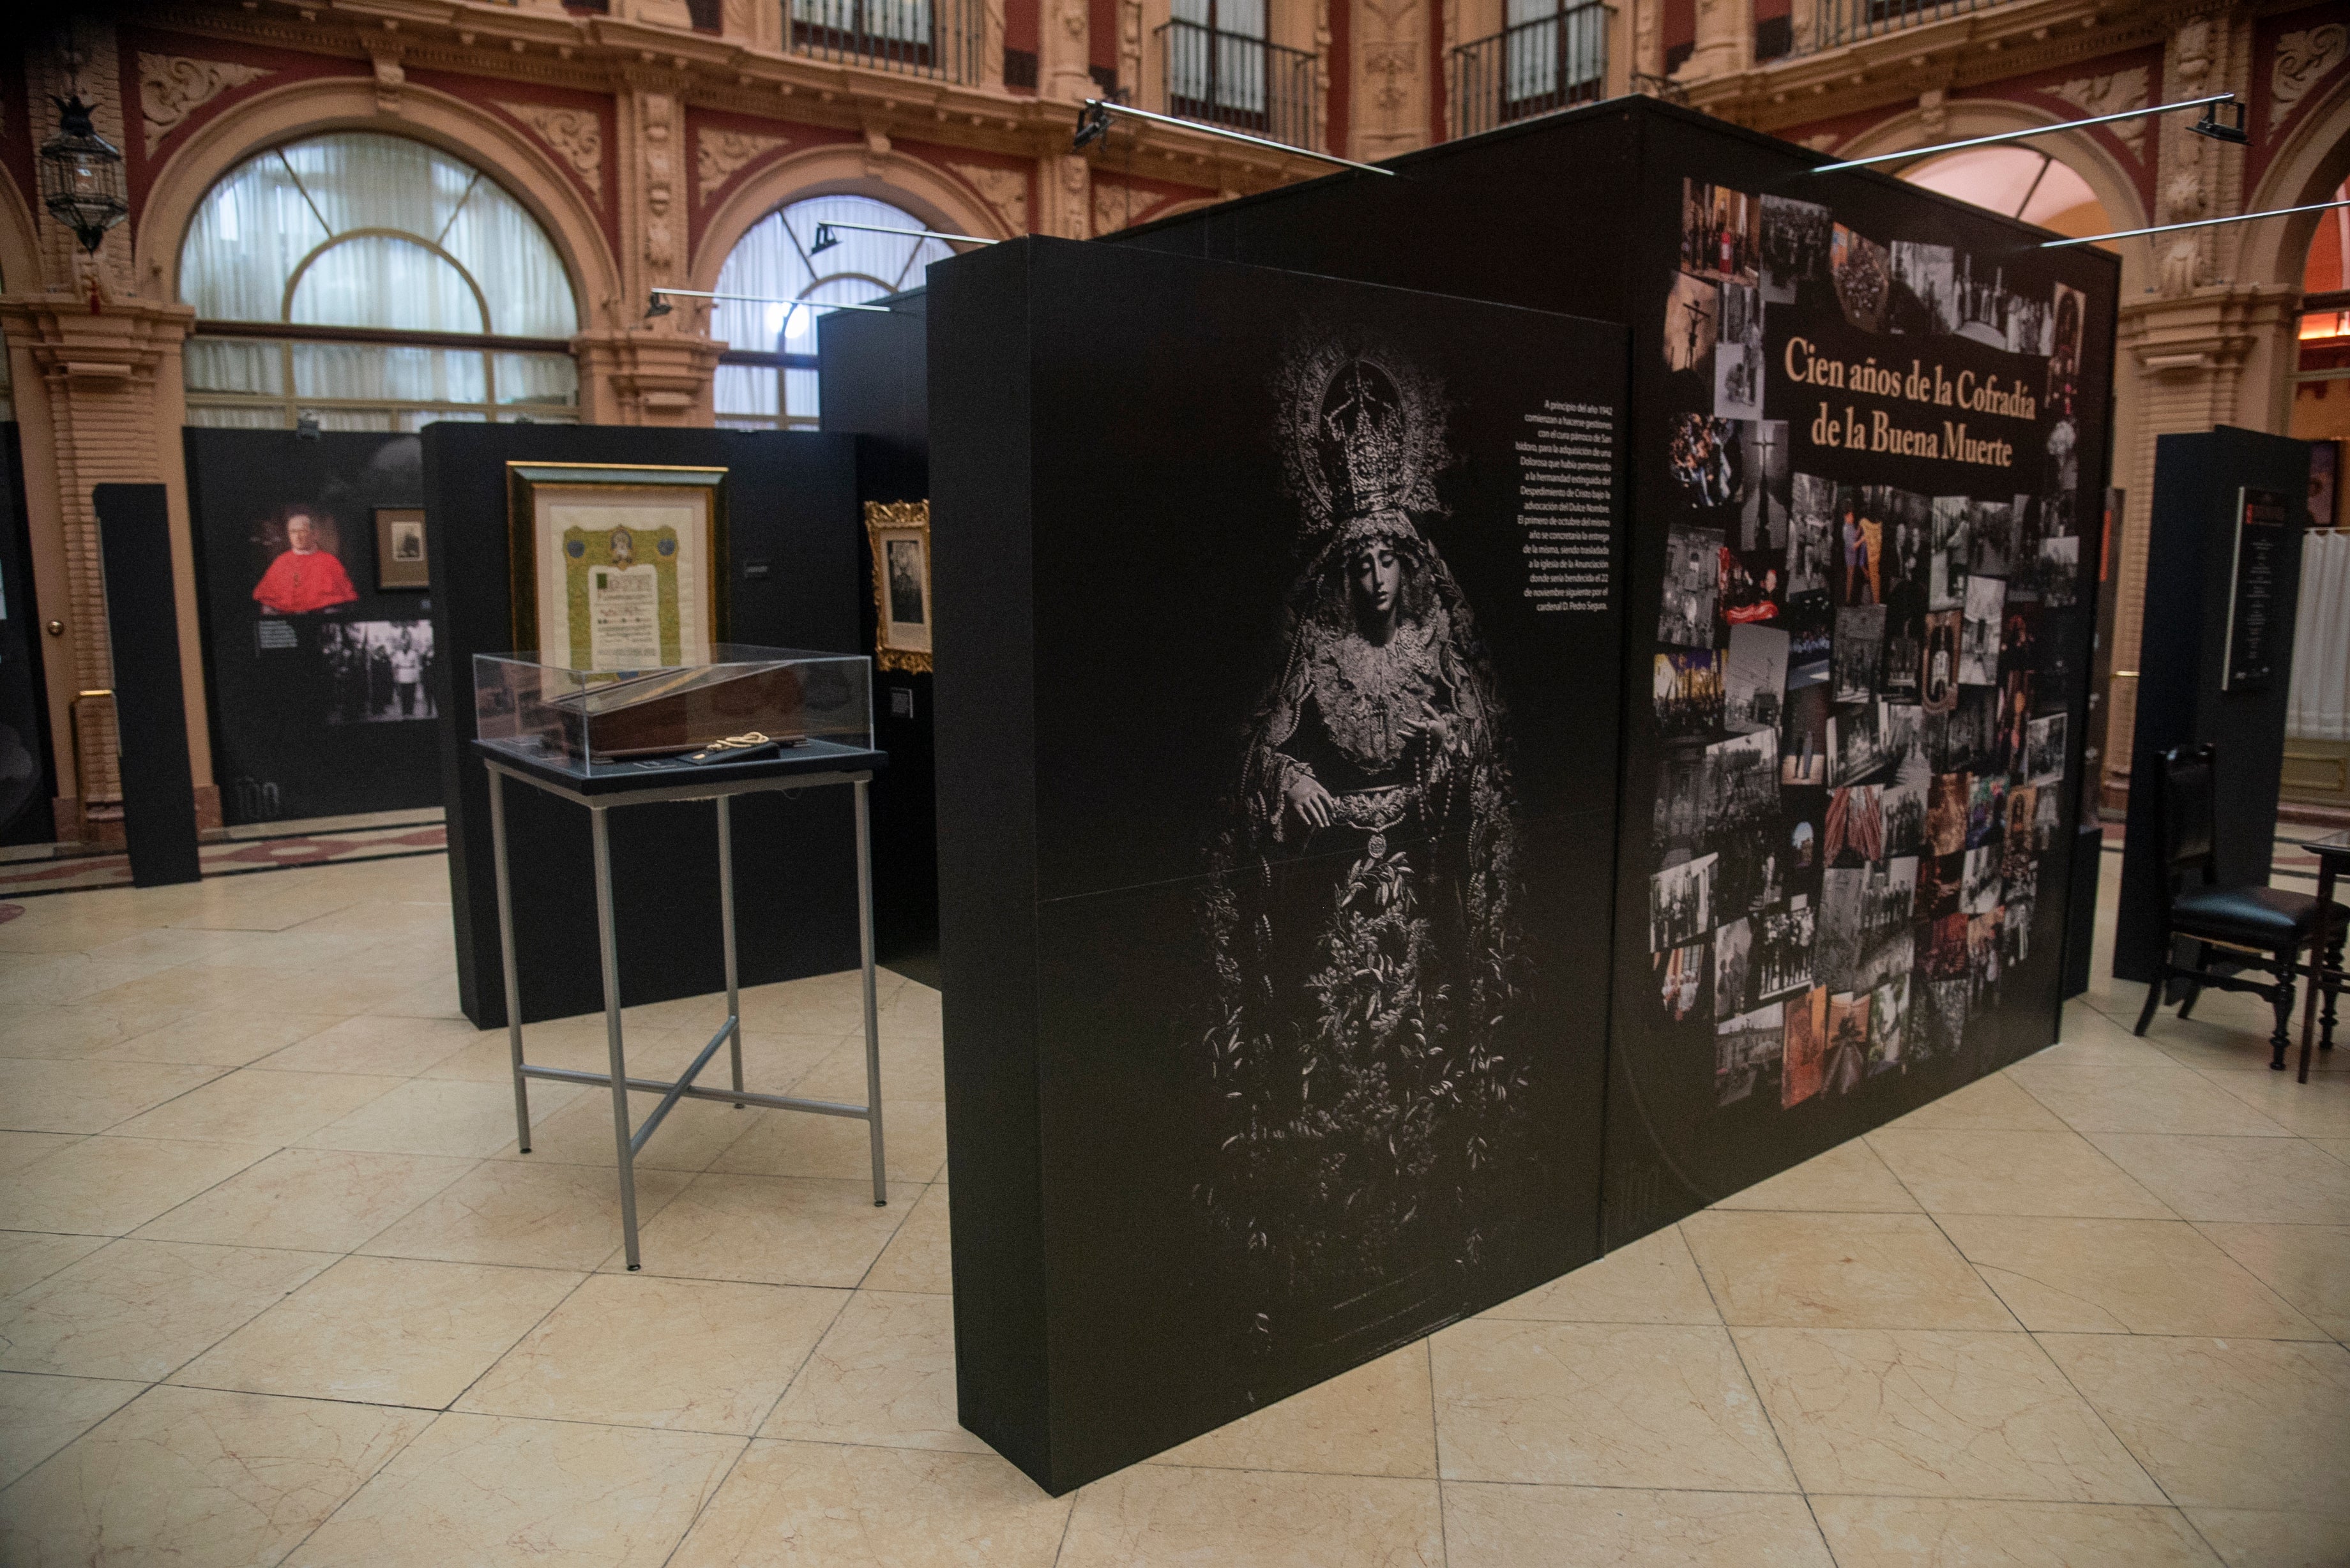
719	155
173	86
577	135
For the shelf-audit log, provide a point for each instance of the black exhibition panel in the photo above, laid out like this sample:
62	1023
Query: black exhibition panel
2209	577
151	707
872	383
1804	346
793	584
321	690
1277	711
28	779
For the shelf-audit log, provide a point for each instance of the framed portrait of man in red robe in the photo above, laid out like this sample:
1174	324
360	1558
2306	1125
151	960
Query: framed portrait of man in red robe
305	575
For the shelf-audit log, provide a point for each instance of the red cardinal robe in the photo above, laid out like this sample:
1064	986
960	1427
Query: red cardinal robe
304	580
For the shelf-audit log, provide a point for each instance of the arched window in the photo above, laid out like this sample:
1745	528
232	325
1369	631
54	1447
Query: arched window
2020	181
376	284
767	378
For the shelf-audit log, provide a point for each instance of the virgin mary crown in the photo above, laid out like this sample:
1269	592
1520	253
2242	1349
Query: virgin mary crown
1364	445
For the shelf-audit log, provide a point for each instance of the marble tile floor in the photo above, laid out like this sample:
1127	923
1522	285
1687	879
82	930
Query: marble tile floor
277	1287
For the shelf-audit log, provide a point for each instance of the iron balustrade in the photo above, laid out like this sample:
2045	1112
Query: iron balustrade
1231	78
938	38
1532	67
1840	22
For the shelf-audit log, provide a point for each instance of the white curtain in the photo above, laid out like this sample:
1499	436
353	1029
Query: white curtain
2319	707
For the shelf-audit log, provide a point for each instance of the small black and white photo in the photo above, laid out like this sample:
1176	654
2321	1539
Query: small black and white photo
906	598
1946	564
2060	571
1737	353
1804	736
1707	460
1688	694
1923	278
1677	816
1794	246
2028	322
1836	955
1864	286
1755	680
1979	301
1732	977
1857	753
1763	509
1692	318
1681	981
1747	1051
1979	891
1681	904
1782	960
1903	802
2044	750
1693	573
380	671
1741	780
1979	631
1859	657
1992	525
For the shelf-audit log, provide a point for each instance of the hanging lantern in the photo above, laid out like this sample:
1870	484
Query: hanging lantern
81	176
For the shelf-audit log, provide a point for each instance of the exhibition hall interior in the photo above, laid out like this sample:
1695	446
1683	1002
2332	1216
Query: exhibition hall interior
1109	784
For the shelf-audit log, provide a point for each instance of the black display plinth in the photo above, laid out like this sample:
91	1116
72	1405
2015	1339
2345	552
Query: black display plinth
873	384
1277	687
2182	700
791	497
1844	310
151	709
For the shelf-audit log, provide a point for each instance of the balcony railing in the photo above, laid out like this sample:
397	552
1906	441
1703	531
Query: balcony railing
1553	62
1839	22
938	38
1228	79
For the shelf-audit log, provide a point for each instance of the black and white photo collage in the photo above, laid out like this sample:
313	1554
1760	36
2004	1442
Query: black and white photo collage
1858	707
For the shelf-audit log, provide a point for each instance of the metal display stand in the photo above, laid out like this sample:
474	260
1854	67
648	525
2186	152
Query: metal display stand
604	789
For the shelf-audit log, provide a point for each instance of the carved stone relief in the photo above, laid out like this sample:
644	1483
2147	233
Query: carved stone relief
2111	95
718	155
1390	78
1115	206
2302	57
2185	194
172	87
391	75
576	134
661	174
1006	191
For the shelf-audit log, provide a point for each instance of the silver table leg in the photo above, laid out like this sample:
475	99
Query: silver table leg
872	1010
506	954
606	941
726	923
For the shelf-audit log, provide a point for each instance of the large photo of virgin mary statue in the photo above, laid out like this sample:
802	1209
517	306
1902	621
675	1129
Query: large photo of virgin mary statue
1363	919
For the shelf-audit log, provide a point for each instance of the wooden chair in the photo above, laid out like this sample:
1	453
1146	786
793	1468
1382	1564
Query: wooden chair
2260	927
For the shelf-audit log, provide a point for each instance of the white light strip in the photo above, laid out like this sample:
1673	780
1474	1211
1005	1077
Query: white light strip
909	234
763	300
1206	130
2198	224
2020	135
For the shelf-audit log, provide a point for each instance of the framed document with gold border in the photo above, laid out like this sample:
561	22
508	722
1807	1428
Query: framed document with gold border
616	566
901	535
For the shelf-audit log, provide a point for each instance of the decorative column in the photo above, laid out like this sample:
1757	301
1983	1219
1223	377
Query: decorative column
1725	40
1391	81
655	371
1065	70
100	399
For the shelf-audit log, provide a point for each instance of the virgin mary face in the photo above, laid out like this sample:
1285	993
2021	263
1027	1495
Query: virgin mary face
1374	575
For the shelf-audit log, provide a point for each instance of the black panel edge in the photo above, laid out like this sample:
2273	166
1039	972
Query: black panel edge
982	556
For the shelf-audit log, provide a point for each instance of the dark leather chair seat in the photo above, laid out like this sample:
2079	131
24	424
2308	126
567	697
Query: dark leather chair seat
2269	919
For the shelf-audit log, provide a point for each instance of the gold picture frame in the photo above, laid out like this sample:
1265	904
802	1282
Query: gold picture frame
617	565
402	560
899	533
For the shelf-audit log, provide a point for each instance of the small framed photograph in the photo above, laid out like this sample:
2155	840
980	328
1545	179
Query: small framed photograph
901	535
399	558
617	567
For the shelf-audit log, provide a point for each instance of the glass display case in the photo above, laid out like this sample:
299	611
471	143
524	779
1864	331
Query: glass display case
746	704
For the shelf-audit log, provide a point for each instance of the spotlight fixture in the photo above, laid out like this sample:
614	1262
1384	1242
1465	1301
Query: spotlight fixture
657	305
2209	124
306	427
81	176
825	240
1093	124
